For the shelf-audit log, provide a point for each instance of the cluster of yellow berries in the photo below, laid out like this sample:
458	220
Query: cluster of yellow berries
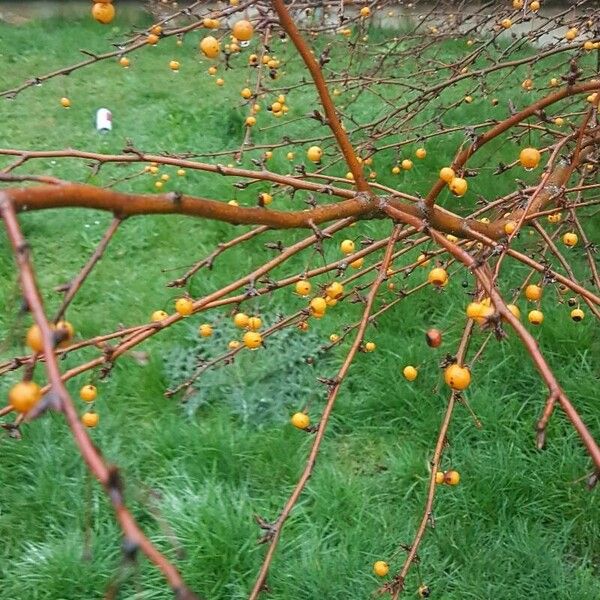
24	395
347	247
533	293
447	477
161	179
407	164
279	107
88	393
210	46
319	304
252	338
63	333
457	185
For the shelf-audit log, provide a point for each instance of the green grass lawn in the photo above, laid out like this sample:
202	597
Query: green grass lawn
521	523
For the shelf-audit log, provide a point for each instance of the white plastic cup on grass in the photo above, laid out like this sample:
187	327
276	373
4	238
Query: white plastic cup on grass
103	120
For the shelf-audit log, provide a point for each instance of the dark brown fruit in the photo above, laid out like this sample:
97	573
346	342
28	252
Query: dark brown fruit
433	337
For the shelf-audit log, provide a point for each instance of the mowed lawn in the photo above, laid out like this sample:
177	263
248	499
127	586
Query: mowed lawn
520	525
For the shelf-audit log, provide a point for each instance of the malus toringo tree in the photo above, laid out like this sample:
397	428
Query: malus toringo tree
510	248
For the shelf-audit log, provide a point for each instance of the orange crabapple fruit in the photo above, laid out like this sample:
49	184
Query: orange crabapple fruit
103	12
314	154
447	174
458	186
381	568
527	85
90	419
318	305
210	47
242	30
510	227
437	276
184	306
479	311
63	333
451	478
571	34
254	323
205	330
252	340
34	338
530	158
533	292
335	290
300	420
347	247
241	320
536	317
577	315
303	287
410	373
555	217
423	260
457	377
88	393
23	396
265	198
514	309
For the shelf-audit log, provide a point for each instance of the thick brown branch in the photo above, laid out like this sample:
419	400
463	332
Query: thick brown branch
315	70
